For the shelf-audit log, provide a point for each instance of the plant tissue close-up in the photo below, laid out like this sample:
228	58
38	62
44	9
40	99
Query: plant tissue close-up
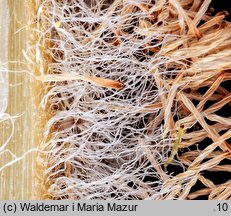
115	99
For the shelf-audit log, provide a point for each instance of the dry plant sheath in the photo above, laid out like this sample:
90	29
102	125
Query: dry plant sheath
121	79
132	92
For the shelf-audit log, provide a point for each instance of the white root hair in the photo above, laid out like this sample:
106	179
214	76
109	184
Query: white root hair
119	78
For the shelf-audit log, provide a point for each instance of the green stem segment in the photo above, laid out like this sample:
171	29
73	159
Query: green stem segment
175	147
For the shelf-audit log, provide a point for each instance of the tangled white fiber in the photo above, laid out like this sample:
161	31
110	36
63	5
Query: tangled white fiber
119	78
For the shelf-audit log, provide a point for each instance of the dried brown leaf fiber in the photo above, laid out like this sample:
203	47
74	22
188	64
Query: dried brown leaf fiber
129	74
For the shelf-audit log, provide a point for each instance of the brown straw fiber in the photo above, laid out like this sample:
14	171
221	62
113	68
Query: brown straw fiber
121	79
